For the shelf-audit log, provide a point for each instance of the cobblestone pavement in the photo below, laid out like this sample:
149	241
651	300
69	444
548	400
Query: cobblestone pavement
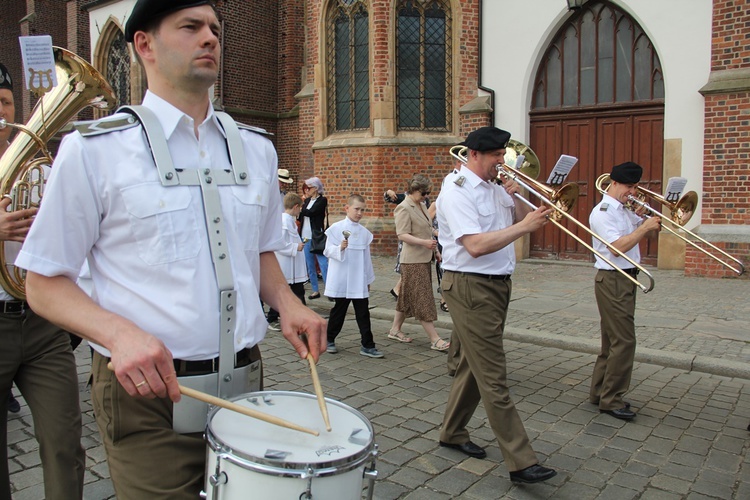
690	388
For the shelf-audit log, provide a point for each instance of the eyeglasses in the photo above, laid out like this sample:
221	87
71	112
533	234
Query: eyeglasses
425	193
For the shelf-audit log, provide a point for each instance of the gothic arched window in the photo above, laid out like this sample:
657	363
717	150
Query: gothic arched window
118	68
348	62
602	57
423	59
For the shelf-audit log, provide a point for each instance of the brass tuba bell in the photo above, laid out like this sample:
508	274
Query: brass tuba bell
22	175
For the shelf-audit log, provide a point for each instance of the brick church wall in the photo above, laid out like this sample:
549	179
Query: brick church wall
726	178
387	164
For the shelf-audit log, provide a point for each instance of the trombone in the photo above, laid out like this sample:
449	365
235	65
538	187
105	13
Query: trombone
561	200
680	213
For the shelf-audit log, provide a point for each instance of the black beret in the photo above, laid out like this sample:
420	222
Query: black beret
147	11
6	82
487	139
626	173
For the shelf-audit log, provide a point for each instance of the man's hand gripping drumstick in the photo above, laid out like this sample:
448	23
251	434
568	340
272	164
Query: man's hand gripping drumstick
213	400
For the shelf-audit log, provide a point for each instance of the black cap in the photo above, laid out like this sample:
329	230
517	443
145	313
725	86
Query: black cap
487	139
148	11
626	173
6	82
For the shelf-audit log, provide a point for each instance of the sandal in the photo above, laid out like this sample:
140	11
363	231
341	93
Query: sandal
437	346
399	336
444	307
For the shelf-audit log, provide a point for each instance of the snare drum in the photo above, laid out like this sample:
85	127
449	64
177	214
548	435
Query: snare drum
249	458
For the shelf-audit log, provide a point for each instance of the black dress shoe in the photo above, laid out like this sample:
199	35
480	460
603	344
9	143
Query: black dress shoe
468	447
13	405
623	413
532	474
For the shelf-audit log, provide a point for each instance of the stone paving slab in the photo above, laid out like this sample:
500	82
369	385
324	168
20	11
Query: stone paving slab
688	441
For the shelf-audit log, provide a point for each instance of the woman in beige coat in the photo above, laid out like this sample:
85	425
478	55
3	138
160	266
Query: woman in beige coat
414	229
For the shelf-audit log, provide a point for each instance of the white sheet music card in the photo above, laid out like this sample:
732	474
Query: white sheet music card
562	168
38	63
675	187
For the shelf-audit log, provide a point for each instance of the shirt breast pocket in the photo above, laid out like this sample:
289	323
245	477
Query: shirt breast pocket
249	203
486	212
163	224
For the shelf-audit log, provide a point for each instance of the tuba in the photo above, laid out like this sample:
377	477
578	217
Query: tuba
22	173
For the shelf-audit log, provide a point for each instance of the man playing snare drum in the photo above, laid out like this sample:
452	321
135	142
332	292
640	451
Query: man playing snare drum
164	282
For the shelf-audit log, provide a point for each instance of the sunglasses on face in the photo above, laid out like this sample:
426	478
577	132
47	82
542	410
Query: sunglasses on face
425	193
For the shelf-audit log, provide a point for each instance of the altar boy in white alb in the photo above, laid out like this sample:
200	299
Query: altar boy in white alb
350	273
291	257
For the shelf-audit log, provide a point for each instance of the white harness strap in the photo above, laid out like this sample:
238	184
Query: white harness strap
209	181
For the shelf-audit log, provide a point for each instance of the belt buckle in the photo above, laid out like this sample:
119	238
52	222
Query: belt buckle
9	307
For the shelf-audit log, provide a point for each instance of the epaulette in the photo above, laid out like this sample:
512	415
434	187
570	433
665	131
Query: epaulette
114	123
257	130
459	181
604	207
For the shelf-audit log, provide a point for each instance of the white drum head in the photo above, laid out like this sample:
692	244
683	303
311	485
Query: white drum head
272	447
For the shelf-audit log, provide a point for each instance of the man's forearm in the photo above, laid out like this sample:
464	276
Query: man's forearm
62	302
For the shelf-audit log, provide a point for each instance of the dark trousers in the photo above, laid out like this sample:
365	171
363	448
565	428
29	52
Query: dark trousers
37	355
361	312
299	290
478	307
146	457
615	296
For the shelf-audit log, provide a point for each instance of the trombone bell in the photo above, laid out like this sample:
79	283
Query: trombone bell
684	209
564	199
530	166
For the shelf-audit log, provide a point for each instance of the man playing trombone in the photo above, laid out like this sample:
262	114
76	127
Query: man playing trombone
479	221
615	293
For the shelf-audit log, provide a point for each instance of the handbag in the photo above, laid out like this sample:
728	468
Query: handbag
318	240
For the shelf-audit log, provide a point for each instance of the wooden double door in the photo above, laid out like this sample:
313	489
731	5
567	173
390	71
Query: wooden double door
599	140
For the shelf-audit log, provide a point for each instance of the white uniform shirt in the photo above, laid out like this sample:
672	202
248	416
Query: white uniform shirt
291	261
611	220
350	271
474	207
146	244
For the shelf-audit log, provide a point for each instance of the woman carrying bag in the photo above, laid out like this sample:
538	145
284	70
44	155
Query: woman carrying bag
312	218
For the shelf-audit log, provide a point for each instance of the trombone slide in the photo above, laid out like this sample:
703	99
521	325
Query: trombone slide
740	269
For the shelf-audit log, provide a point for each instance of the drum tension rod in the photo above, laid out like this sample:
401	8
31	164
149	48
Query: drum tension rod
307	494
218	478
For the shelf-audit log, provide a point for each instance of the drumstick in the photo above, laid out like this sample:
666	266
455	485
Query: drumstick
319	391
213	400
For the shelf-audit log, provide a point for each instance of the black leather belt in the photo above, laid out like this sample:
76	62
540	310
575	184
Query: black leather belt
207	366
501	277
13	306
632	271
